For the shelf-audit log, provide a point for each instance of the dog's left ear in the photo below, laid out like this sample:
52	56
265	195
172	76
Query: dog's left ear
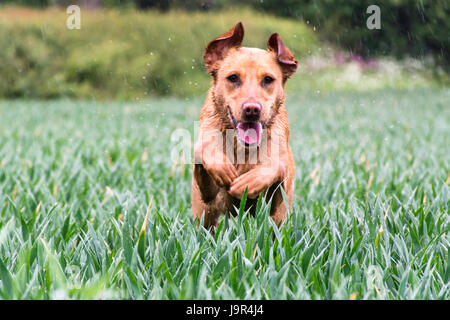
286	59
217	49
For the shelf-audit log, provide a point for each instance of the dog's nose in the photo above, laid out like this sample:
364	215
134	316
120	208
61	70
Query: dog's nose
251	110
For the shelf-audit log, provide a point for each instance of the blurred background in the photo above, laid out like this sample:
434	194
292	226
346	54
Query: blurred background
135	49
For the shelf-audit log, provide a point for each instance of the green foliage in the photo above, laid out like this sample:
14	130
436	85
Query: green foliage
126	55
416	28
370	218
408	27
32	3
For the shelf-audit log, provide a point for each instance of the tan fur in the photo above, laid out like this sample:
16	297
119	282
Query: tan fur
218	186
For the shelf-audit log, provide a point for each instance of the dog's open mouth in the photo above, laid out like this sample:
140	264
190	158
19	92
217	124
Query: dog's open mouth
248	132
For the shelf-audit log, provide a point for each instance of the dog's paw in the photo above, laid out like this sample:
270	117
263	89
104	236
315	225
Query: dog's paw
222	174
256	180
251	180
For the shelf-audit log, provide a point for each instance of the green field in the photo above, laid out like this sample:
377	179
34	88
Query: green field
370	218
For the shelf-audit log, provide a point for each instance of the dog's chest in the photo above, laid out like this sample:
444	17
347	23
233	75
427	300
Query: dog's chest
247	158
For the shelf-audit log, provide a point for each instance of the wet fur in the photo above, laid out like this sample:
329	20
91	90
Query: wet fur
218	187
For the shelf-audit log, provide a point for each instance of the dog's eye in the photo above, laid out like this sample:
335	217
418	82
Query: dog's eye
233	78
267	80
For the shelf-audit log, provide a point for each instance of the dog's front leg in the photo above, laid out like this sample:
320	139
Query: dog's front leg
212	177
214	165
258	179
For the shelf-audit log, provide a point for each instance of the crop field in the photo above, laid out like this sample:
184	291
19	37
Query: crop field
93	207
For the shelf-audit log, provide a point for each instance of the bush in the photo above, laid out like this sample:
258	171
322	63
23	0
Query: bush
123	54
416	28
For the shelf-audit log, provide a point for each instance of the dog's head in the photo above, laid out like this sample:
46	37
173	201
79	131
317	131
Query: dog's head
248	83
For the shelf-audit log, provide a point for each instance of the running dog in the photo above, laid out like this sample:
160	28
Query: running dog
244	131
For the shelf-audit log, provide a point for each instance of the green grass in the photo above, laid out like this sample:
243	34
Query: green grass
370	219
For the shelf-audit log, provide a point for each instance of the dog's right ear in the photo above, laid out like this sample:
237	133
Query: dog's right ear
217	49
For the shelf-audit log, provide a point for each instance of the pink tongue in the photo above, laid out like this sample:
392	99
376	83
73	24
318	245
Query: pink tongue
249	132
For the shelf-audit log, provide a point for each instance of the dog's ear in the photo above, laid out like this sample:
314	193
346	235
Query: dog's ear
217	49
286	59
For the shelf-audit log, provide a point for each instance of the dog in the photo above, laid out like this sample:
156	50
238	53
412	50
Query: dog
243	129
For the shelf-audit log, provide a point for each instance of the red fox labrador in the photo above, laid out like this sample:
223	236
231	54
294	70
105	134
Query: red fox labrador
244	131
